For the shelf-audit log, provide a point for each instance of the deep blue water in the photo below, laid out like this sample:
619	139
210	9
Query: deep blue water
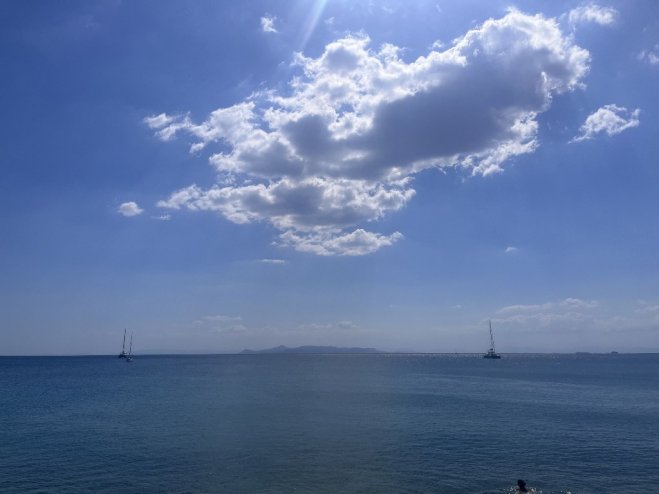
330	424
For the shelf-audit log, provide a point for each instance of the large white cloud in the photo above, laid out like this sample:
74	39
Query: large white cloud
610	120
339	147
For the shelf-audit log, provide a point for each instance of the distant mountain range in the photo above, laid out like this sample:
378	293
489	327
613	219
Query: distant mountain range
312	349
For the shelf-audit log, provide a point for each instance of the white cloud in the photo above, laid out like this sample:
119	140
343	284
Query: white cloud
510	249
341	325
357	243
648	308
221	324
437	44
220	318
159	121
272	261
544	318
609	119
651	309
129	209
567	311
581	317
650	56
340	146
268	24
603	16
163	217
312	204
577	303
561	305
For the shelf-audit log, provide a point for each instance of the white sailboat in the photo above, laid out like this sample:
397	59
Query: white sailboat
129	357
123	347
491	353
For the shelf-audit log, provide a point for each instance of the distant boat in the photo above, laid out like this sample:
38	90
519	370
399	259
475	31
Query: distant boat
491	353
123	347
129	357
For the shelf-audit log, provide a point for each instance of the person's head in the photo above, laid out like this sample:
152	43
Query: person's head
521	484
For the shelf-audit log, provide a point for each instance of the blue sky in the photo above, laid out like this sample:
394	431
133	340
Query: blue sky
225	175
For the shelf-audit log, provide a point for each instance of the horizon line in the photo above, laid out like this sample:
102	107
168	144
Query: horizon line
260	353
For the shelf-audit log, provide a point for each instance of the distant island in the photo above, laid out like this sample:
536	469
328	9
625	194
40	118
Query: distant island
310	349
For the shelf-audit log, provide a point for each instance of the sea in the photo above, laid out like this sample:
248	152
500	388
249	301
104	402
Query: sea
367	423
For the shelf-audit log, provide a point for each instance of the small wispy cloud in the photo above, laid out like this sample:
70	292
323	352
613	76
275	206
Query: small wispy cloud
159	121
272	261
578	303
648	308
268	24
129	209
574	315
569	303
510	249
650	56
341	325
163	217
221	324
437	44
604	16
562	313
166	126
609	120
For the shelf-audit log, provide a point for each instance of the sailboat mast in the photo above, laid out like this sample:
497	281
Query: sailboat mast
491	336
130	350
123	345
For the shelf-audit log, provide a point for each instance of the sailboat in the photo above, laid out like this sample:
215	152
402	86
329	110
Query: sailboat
123	347
491	353
129	357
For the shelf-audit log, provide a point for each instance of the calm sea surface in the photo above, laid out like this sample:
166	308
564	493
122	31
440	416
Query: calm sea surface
330	424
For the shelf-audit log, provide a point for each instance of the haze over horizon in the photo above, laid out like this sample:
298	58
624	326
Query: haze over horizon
218	176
